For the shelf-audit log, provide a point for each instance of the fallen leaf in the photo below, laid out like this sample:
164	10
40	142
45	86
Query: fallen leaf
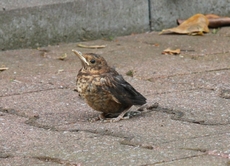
63	57
195	25
3	68
215	21
92	46
170	51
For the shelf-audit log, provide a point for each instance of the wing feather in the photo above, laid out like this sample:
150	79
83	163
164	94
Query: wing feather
121	90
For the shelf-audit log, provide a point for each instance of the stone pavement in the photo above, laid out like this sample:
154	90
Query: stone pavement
44	122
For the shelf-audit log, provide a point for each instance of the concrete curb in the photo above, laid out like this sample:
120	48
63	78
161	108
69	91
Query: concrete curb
34	23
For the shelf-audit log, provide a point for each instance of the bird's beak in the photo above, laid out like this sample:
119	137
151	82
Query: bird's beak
82	58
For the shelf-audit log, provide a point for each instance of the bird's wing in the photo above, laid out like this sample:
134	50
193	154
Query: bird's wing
122	91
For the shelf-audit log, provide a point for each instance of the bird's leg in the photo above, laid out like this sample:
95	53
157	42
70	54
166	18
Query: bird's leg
120	117
134	113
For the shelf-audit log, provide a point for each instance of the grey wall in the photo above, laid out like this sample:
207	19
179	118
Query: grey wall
39	24
32	23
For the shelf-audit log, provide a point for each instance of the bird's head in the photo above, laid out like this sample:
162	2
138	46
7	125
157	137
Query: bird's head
92	63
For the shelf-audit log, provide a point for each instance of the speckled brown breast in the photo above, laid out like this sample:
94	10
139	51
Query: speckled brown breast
91	89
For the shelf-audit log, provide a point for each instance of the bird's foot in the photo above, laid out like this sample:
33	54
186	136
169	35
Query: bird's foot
131	114
126	114
112	120
120	117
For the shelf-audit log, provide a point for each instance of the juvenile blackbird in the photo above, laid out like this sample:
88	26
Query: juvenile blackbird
104	89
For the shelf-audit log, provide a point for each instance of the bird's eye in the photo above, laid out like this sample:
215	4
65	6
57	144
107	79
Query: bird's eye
92	61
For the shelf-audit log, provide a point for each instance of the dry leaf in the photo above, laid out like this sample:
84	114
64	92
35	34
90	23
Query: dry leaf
215	21
170	51
92	47
3	68
195	25
63	57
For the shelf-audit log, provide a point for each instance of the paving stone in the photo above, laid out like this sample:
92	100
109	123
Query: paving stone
43	121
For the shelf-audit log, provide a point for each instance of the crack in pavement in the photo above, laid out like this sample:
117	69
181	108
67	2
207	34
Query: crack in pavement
31	118
204	152
105	132
56	160
194	137
14	112
178	159
128	142
32	121
178	115
210	152
42	158
5	155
